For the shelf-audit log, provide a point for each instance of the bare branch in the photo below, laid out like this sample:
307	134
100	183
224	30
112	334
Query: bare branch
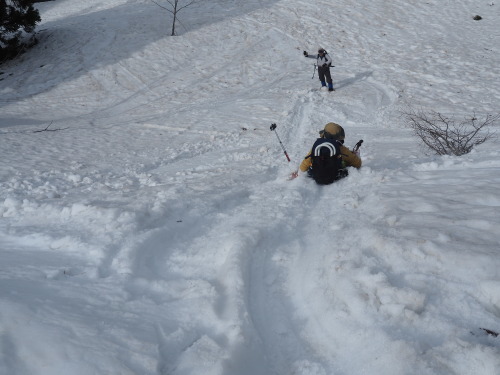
174	9
161	6
188	4
48	130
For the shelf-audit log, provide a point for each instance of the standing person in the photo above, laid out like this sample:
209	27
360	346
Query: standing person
324	62
328	159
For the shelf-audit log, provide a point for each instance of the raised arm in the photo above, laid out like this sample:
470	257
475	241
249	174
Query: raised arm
310	56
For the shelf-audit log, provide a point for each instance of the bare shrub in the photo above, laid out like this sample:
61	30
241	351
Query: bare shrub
447	136
175	7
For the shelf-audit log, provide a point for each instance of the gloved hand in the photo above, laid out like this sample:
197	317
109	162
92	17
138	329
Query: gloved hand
306	54
325	65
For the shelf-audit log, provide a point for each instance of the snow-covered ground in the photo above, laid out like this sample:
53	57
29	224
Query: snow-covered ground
151	229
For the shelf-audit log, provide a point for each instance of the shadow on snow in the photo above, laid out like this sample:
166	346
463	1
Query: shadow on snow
71	47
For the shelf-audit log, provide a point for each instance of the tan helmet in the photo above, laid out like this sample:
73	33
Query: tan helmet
334	131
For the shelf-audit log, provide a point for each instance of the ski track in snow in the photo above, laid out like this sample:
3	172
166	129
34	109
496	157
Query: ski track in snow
159	233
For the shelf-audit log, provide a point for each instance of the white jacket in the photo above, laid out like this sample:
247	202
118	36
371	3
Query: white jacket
320	60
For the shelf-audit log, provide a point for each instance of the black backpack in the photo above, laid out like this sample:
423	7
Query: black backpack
326	161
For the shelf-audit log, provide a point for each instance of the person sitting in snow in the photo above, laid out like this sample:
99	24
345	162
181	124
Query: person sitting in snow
323	62
329	158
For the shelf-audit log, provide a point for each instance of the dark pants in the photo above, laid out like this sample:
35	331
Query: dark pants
324	72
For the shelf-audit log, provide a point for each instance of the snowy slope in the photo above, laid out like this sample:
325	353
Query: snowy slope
152	229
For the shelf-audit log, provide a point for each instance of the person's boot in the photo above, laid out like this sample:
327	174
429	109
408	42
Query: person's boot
330	87
323	84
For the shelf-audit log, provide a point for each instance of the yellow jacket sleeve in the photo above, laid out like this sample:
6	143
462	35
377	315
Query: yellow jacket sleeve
306	163
350	158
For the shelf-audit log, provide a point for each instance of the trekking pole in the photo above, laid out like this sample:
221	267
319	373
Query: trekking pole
357	146
273	128
314	72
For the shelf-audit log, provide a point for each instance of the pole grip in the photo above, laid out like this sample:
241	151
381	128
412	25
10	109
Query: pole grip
357	145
